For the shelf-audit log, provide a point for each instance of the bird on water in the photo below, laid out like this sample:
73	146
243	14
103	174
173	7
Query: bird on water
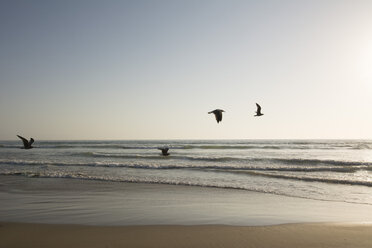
218	114
26	144
164	151
258	112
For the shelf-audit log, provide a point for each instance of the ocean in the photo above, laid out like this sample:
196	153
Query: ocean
327	170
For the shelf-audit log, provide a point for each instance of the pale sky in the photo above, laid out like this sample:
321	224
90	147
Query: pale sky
153	69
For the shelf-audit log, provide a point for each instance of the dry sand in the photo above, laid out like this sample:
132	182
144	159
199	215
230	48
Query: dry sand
287	235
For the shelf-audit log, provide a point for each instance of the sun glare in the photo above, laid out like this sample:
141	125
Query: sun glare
365	65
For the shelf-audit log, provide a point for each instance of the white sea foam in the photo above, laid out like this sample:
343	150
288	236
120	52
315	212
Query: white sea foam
313	169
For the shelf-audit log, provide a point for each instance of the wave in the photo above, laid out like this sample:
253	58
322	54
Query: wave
314	179
267	161
93	146
155	157
215	147
157	166
307	146
268	146
362	146
220	162
300	161
300	145
82	176
182	147
10	146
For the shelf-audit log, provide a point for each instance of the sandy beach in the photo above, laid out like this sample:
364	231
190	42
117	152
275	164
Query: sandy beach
72	213
90	202
288	235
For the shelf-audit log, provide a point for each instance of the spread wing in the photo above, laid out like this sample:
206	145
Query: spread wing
258	108
31	141
25	142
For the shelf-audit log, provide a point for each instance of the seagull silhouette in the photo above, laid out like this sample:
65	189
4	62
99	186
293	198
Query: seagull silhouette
164	151
218	114
26	144
258	112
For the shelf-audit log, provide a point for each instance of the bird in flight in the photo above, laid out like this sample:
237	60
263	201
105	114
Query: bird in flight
218	114
164	151
26	144
258	112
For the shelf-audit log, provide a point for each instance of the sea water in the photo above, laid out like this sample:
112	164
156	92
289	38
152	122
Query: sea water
329	170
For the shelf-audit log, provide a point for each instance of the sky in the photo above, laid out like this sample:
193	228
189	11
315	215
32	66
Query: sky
91	70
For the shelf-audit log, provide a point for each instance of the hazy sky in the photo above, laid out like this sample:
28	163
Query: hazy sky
153	69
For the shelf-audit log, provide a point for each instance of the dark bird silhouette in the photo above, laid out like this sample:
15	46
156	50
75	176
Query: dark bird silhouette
26	144
218	114
258	112
164	151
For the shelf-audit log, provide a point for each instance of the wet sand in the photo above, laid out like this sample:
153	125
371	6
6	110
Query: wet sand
52	212
287	235
73	201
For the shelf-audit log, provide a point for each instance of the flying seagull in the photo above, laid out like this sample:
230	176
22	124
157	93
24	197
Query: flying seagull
258	112
26	144
164	151
218	114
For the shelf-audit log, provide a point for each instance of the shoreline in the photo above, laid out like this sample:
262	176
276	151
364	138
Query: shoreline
72	201
340	235
59	212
